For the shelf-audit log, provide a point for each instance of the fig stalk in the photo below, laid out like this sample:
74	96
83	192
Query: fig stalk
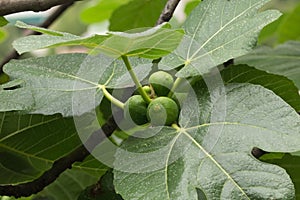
135	79
176	84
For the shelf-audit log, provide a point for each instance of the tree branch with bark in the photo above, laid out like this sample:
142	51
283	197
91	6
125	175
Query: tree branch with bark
168	11
15	6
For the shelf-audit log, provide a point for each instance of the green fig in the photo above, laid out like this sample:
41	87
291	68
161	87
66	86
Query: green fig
161	83
135	109
162	111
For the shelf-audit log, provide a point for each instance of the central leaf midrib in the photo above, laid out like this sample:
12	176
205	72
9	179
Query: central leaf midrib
217	32
184	131
167	161
95	85
73	77
193	58
66	90
216	163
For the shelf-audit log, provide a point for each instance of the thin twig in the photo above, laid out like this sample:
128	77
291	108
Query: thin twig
60	165
168	11
57	13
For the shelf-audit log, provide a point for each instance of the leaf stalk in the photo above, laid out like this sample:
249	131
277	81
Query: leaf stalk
112	98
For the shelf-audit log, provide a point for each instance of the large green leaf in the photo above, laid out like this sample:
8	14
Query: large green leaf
280	85
8	96
143	42
38	29
283	60
29	144
217	31
52	38
50	80
100	11
104	189
8	99
132	15
209	156
292	166
70	84
69	185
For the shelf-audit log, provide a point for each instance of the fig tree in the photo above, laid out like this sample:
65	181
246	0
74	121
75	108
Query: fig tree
161	82
162	111
135	109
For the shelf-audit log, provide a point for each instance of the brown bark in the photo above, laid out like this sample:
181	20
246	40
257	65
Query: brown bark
15	6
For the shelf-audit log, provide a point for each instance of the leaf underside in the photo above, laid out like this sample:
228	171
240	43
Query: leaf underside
211	151
292	165
51	38
280	85
69	84
217	31
283	60
143	42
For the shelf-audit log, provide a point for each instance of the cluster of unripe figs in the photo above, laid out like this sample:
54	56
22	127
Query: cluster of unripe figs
162	110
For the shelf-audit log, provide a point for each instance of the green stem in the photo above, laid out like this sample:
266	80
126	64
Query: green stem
135	80
176	127
111	98
177	82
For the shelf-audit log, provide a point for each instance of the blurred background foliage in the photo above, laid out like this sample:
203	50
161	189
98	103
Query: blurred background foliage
286	27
